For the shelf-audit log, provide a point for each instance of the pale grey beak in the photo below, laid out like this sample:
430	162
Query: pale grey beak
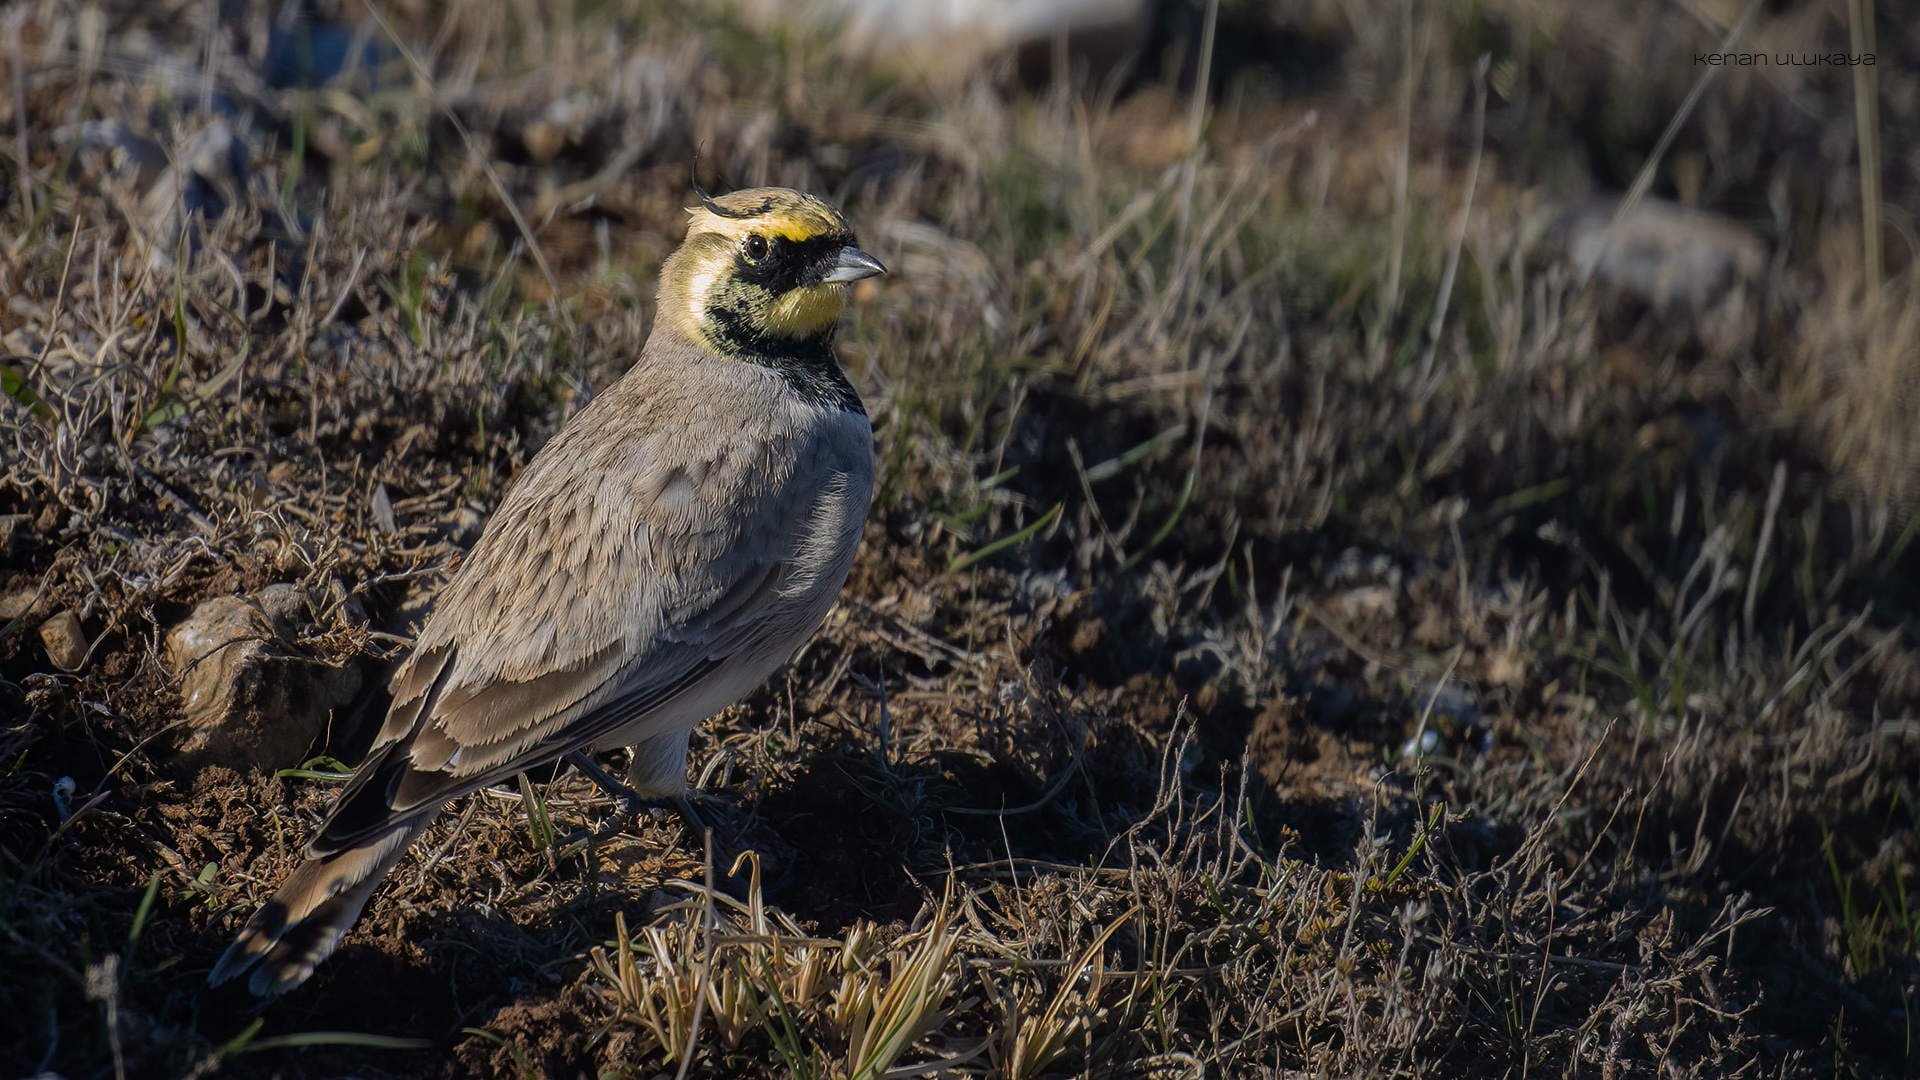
852	265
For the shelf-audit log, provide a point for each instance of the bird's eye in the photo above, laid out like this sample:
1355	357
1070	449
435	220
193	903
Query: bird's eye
756	248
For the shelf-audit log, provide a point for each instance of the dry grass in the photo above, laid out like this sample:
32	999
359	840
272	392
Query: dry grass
1251	670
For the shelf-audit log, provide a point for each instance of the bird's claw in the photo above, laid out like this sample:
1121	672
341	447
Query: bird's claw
632	804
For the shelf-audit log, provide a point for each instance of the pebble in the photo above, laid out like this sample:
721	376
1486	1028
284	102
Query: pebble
65	641
253	696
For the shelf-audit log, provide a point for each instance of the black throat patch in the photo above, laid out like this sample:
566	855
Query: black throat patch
809	365
737	318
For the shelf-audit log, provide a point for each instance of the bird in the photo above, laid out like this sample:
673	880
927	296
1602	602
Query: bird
678	540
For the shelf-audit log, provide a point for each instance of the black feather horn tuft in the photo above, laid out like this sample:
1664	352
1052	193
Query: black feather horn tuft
693	177
706	198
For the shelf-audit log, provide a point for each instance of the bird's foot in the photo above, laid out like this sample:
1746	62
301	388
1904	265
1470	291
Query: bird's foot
632	803
725	852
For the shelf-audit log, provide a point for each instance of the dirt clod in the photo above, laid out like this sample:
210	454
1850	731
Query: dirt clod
251	695
16	603
65	641
16	532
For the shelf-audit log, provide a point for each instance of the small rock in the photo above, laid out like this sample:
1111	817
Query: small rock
206	173
1450	700
943	39
287	606
210	173
65	641
16	533
1675	259
382	506
1426	744
543	140
17	603
308	51
252	697
107	151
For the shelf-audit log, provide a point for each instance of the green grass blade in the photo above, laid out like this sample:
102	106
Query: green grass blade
963	561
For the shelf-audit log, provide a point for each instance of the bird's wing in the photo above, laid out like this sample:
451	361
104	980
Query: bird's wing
580	612
470	738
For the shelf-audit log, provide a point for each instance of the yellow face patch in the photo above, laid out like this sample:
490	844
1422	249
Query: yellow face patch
702	279
805	312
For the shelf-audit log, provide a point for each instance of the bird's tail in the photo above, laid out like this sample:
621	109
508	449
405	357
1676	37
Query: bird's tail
310	913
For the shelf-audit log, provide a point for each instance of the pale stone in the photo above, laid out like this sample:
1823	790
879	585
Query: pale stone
65	641
252	696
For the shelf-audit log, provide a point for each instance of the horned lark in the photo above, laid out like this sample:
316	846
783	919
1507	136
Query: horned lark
676	542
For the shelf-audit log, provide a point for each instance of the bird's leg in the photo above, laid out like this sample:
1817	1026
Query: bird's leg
659	767
684	807
725	853
631	801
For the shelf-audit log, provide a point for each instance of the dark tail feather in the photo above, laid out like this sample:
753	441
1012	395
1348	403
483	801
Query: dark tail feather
308	916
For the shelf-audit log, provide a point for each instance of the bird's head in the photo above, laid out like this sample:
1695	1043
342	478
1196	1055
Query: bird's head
761	271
